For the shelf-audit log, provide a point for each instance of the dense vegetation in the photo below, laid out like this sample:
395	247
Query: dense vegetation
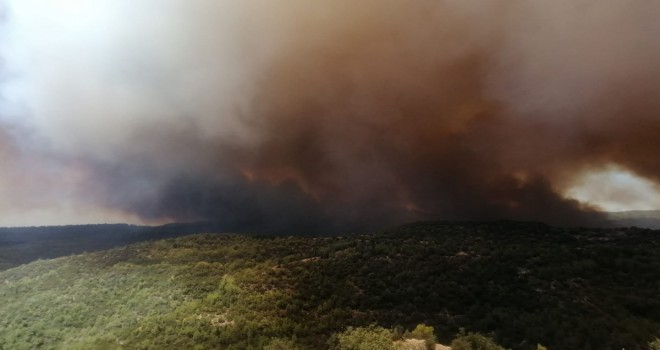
522	283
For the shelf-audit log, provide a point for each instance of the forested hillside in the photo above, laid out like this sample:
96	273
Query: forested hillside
20	245
523	283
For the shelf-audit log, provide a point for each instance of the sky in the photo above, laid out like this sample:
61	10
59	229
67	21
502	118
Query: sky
299	116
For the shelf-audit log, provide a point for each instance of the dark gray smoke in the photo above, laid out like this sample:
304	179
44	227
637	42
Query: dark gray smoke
286	115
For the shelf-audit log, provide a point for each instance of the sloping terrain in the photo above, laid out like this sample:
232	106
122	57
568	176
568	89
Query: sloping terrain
20	245
525	283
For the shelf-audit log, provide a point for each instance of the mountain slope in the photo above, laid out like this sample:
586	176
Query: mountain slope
526	283
20	245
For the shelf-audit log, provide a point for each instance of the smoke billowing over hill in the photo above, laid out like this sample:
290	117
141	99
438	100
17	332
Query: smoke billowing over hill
286	114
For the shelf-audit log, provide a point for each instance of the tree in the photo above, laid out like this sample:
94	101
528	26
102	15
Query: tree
474	341
365	338
398	333
425	333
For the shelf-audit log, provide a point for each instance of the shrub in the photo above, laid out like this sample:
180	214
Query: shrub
474	341
365	338
425	333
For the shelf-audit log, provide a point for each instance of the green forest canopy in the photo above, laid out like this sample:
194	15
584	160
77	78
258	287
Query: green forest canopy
522	283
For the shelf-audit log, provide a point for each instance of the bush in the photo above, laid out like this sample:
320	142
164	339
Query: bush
425	333
474	341
365	338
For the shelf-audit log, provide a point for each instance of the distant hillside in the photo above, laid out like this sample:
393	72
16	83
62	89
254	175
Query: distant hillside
524	283
639	218
20	245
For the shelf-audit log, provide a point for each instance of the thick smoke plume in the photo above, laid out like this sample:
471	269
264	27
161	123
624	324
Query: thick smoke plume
291	115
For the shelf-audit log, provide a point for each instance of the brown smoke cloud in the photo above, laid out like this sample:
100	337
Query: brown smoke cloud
301	116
